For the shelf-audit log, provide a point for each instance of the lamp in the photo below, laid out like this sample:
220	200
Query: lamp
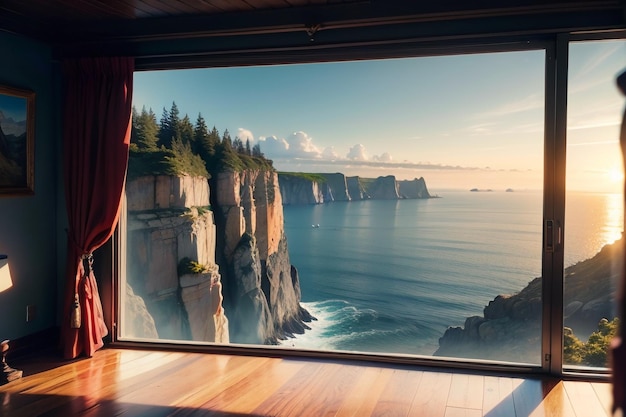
5	274
8	374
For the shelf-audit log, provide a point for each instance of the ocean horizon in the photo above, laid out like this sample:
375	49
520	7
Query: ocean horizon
390	276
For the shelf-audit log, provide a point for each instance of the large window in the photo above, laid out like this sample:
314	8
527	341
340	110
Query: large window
387	207
594	201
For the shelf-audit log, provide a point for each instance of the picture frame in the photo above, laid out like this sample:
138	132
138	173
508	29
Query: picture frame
17	141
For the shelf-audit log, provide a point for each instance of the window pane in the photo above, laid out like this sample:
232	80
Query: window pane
594	201
405	216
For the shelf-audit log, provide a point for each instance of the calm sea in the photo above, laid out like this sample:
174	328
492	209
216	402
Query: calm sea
391	276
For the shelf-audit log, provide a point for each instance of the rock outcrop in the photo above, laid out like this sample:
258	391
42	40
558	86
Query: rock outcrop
297	190
384	188
415	188
336	187
262	288
169	219
510	328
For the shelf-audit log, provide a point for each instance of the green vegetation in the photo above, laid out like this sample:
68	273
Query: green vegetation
175	146
188	266
303	175
595	351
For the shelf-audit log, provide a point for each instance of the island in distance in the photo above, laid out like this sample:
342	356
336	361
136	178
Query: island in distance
299	188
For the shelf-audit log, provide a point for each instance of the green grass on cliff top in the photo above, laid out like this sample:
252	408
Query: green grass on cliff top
303	175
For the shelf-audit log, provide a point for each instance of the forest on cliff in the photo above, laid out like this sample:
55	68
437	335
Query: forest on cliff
175	146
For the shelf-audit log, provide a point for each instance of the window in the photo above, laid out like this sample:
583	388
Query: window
385	207
594	201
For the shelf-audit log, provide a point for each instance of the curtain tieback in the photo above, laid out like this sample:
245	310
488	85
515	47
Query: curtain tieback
75	317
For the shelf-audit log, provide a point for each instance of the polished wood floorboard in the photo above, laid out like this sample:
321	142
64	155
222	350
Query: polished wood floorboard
125	382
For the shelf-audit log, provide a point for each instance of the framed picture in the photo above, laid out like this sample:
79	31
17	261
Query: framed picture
17	141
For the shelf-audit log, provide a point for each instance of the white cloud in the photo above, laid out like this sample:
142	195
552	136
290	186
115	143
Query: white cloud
357	153
274	147
385	157
330	154
244	134
301	146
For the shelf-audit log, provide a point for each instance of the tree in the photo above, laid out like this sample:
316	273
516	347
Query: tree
248	150
174	122
200	135
256	151
185	131
238	145
226	140
165	130
144	130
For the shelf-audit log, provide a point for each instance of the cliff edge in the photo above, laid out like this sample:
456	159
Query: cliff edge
510	327
302	188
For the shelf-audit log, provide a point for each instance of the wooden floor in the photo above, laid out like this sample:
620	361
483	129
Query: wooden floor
120	382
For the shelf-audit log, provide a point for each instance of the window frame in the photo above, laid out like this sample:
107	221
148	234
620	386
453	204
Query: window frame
556	48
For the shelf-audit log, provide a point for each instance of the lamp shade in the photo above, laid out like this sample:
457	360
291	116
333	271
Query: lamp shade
5	274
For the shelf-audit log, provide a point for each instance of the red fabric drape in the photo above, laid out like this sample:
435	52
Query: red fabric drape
96	131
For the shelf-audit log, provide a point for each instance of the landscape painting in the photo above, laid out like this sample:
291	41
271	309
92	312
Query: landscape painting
17	121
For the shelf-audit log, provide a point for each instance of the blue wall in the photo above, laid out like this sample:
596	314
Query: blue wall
31	226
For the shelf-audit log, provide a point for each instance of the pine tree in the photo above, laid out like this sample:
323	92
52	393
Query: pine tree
238	145
144	131
256	151
200	134
165	130
186	131
175	122
248	150
226	140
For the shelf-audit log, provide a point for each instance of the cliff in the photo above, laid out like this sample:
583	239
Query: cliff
237	239
297	190
510	328
169	219
302	189
262	288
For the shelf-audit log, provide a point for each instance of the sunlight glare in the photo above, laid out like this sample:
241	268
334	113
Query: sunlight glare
616	174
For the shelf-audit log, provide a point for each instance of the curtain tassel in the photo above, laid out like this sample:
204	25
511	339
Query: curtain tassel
75	316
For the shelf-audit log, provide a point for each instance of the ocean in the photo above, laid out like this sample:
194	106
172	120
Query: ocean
392	275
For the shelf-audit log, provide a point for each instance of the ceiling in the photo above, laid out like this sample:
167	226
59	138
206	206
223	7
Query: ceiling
226	32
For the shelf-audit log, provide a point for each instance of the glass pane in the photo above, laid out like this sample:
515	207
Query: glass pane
400	213
594	201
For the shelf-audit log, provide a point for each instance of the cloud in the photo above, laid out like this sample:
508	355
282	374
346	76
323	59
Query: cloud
330	154
274	147
357	153
301	146
244	134
385	157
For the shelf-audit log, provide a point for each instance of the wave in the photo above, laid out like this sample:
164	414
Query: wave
341	325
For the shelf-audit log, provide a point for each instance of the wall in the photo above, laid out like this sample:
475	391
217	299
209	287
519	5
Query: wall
30	229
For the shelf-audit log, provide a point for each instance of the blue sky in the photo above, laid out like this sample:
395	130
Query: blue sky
459	121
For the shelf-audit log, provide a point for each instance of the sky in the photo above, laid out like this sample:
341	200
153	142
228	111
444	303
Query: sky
461	122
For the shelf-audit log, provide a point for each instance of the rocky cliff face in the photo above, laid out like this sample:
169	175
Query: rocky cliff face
384	188
298	191
262	288
510	328
415	188
337	187
169	220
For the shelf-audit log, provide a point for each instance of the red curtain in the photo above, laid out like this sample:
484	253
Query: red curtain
96	133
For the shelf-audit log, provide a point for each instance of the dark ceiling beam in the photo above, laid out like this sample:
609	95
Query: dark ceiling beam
271	35
285	35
